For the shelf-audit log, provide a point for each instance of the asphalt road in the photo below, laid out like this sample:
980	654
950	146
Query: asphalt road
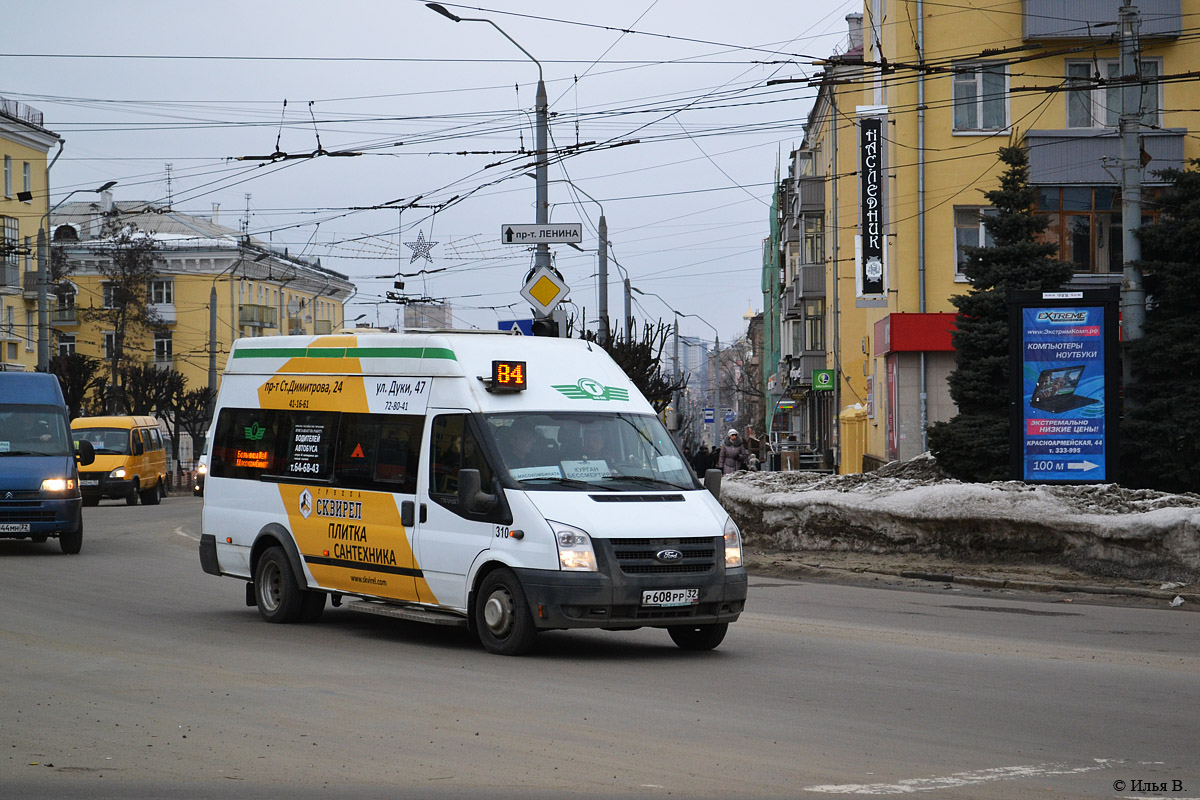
127	672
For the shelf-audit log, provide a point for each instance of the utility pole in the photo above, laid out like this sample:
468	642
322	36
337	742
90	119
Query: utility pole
1133	301
602	228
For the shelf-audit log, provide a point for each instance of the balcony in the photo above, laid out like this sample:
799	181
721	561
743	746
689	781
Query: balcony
29	284
64	316
322	327
162	362
1061	19
800	369
1089	156
164	312
257	316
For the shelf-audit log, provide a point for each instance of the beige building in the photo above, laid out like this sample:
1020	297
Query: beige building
259	290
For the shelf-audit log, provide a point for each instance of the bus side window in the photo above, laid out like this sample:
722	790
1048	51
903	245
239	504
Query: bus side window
246	443
135	442
379	451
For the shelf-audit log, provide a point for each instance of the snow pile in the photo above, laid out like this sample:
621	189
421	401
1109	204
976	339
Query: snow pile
912	507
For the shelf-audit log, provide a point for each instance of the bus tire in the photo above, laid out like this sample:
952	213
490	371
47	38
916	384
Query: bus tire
276	593
698	637
312	606
502	619
151	496
132	498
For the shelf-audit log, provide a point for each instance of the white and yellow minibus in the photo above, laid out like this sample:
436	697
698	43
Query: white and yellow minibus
508	484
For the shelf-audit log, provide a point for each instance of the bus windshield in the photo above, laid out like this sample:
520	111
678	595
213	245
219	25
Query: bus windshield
106	441
33	430
588	452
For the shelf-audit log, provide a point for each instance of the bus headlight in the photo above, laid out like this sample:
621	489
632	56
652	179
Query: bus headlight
733	544
202	469
58	484
119	472
575	553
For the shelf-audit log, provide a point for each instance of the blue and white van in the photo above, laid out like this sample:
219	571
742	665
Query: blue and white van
508	484
39	480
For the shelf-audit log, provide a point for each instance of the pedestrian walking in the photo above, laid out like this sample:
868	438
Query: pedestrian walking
732	455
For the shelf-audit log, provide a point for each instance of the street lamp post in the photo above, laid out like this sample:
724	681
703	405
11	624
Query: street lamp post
43	299
541	256
604	333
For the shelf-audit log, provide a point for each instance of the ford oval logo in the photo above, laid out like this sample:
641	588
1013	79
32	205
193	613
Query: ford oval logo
668	556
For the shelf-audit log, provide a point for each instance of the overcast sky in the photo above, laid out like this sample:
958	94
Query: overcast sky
135	86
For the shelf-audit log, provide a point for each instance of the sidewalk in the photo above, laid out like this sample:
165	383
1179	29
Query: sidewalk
914	570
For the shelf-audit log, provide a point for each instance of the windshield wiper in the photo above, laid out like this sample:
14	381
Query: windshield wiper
644	480
569	482
20	453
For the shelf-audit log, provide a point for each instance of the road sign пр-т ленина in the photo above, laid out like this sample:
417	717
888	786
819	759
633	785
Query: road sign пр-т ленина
541	234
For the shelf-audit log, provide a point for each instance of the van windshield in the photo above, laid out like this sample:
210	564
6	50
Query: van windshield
33	430
105	441
588	452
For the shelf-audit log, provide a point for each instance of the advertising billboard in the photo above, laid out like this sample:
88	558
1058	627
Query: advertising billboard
1066	372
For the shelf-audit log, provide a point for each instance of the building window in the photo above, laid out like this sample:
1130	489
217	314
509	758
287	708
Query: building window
10	265
110	345
30	331
28	183
1094	106
812	242
66	344
1085	224
162	291
162	347
28	254
8	176
980	97
107	294
969	231
814	324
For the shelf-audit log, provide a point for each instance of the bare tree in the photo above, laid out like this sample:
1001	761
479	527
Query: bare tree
127	263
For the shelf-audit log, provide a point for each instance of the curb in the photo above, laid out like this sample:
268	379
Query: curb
1039	586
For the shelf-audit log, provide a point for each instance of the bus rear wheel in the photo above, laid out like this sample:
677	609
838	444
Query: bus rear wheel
276	592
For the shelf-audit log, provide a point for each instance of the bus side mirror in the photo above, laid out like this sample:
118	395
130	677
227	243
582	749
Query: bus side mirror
712	482
471	497
84	452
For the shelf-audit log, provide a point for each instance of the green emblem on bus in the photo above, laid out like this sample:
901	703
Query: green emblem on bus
588	389
254	433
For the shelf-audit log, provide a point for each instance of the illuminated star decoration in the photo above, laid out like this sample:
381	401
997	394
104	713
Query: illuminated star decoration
421	248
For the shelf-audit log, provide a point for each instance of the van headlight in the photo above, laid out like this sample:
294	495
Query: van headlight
58	484
202	469
733	544
575	553
119	472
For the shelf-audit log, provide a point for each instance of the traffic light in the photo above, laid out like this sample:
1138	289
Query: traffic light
545	326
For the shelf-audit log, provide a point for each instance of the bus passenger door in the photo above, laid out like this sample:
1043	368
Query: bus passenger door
450	538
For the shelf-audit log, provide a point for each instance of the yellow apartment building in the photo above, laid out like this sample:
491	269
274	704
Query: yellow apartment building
887	189
25	144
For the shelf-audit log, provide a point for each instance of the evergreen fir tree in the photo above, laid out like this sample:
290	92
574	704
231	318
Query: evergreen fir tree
1161	432
974	445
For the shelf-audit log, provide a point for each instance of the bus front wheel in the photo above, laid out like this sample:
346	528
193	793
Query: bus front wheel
502	618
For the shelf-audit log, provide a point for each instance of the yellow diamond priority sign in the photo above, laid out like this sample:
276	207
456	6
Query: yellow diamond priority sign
544	290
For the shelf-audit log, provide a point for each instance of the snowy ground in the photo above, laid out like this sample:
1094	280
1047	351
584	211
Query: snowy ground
909	512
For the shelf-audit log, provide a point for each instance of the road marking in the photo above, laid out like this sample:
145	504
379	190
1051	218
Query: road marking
957	780
179	530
